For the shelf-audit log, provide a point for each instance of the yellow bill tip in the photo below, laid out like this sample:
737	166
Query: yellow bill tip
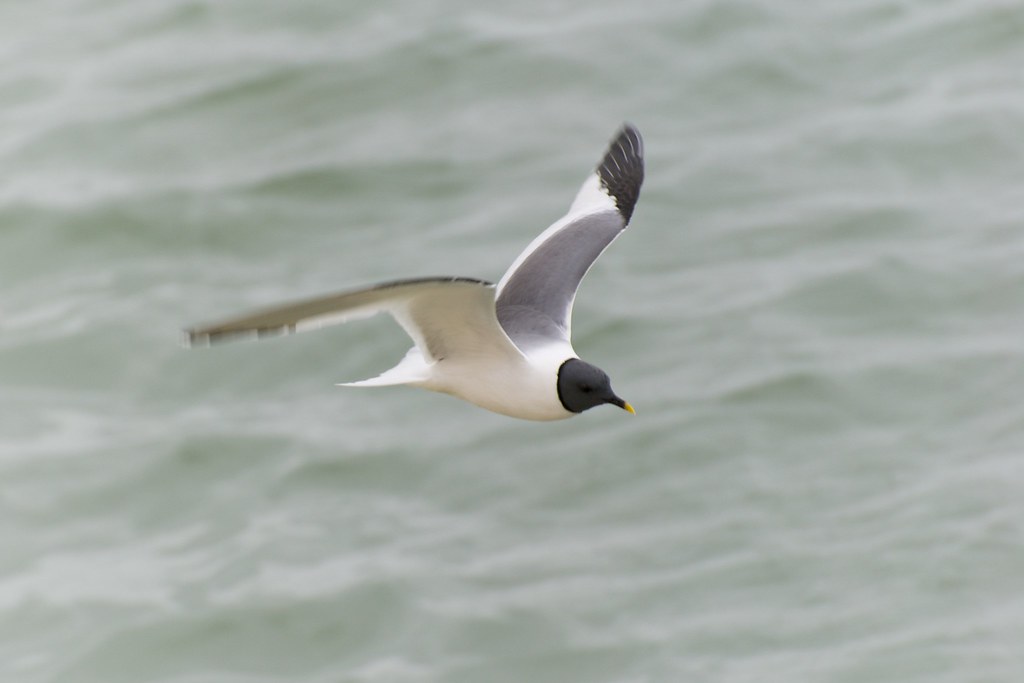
628	408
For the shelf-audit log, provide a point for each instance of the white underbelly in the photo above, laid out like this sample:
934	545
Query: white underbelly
516	388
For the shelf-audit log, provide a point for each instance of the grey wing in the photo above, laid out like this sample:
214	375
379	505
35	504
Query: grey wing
535	297
442	315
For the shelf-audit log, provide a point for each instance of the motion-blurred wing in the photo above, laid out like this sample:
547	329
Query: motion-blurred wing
444	316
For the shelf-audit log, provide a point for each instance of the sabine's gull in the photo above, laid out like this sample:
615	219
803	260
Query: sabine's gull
503	347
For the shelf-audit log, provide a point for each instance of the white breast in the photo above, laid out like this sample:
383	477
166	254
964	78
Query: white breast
525	387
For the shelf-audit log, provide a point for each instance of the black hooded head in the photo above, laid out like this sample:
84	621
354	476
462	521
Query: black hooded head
582	386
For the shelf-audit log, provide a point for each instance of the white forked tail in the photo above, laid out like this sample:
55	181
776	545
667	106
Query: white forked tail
412	369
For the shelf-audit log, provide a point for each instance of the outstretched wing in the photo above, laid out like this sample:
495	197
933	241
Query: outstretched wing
535	297
444	316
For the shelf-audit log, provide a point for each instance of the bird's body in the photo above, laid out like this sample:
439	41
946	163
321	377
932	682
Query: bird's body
519	387
503	347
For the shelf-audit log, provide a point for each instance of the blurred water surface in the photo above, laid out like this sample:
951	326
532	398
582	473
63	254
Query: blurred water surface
816	312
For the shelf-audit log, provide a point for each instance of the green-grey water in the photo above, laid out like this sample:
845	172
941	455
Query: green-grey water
817	313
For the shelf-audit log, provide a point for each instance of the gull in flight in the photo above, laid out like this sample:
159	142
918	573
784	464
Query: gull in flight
503	347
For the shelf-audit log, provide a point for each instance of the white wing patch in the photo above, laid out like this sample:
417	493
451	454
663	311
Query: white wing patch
592	198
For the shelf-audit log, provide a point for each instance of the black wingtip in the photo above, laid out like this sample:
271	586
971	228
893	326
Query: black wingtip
622	169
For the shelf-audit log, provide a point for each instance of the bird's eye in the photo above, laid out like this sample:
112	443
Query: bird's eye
585	388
